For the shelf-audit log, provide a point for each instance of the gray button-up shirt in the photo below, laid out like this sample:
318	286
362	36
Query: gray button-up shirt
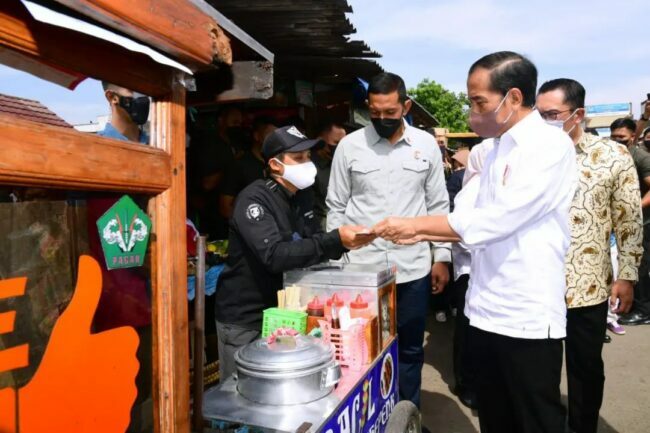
372	179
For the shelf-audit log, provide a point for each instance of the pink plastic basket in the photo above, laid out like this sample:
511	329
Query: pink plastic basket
350	346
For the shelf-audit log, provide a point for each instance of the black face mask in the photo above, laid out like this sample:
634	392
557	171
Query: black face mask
331	149
238	138
623	142
646	143
138	108
386	128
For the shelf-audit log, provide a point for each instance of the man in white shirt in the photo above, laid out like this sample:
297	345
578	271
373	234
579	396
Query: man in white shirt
464	374
518	234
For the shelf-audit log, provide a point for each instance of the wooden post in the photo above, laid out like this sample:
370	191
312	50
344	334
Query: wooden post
169	257
199	337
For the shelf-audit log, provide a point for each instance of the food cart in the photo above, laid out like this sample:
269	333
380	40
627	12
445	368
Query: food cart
290	387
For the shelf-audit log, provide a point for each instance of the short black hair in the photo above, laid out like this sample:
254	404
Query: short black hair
645	131
574	92
623	122
387	83
327	126
262	122
110	86
509	70
226	110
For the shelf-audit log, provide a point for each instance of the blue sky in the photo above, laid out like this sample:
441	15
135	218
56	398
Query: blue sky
602	43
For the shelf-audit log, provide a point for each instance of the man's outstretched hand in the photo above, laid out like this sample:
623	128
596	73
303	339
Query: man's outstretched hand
355	237
395	229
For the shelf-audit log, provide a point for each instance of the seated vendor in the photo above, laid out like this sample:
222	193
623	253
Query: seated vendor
273	229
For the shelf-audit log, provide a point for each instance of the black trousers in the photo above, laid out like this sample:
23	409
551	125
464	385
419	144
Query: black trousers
463	367
518	383
642	288
586	329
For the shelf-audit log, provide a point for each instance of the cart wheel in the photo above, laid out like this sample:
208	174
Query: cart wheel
404	419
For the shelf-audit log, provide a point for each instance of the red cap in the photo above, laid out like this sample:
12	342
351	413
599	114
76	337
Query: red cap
315	304
359	303
336	301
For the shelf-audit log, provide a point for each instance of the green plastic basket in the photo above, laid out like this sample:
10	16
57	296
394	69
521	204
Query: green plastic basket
275	318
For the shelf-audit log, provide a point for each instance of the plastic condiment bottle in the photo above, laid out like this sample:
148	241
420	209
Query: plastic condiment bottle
336	324
359	308
316	308
334	300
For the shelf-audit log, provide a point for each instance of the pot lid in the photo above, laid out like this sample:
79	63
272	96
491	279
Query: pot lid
285	354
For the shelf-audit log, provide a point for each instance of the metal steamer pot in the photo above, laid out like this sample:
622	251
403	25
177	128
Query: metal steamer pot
290	371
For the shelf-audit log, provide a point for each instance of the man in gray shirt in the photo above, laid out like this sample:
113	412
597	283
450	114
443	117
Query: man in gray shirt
391	168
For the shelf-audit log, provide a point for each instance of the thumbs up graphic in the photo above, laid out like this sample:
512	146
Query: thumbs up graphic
85	382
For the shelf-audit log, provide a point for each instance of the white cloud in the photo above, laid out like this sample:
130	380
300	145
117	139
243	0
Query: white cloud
75	113
549	31
632	90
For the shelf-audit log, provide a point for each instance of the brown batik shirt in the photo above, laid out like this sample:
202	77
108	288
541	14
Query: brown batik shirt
607	199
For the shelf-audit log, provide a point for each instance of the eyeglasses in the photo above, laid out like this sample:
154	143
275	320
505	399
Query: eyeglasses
552	114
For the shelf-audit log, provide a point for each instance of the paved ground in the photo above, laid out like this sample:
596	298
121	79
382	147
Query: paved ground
626	408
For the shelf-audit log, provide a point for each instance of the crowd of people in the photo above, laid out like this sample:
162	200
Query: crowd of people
538	233
542	201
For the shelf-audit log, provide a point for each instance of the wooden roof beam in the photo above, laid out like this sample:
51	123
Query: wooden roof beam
91	56
175	27
73	160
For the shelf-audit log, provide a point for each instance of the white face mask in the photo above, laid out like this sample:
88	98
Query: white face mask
300	175
560	123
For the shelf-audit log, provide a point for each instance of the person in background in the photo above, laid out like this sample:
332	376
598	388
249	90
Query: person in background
518	234
246	169
441	140
623	131
129	111
390	167
643	122
217	154
125	298
447	301
330	135
645	139
464	371
607	200
455	181
272	230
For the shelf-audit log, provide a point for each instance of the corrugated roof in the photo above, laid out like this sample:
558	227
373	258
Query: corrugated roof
30	110
313	34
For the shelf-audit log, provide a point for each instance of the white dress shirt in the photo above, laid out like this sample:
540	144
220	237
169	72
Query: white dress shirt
464	202
519	233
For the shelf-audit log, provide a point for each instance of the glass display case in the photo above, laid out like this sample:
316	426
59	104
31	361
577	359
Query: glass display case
362	291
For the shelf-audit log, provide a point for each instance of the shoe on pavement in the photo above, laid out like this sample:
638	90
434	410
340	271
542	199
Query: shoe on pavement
632	319
441	316
616	328
608	339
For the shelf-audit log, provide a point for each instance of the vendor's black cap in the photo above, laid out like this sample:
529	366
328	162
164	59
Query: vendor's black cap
286	139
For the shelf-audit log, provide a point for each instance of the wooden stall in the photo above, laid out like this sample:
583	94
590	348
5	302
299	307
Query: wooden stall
74	378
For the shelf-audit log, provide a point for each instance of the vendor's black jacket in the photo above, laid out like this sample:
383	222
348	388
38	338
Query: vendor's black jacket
271	231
